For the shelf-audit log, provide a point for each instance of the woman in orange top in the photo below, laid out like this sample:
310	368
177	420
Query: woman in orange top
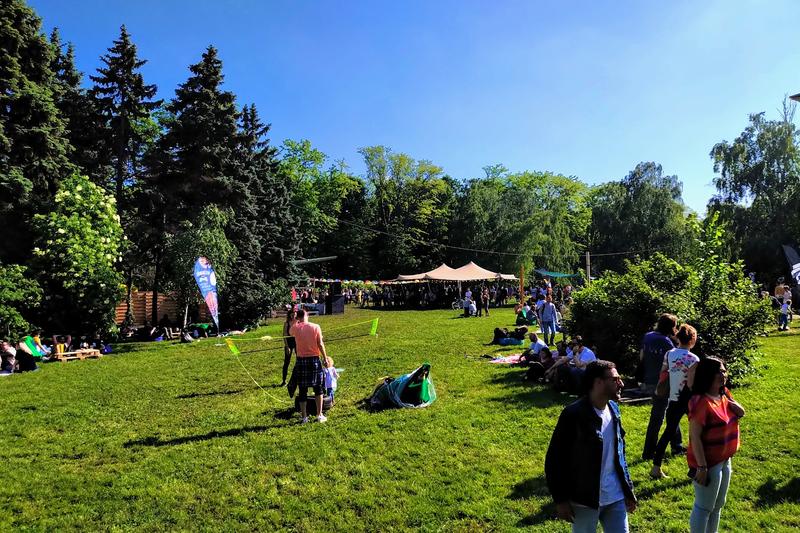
713	440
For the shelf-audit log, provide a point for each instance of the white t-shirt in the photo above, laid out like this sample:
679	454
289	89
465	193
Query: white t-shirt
679	361
537	346
468	295
610	486
331	377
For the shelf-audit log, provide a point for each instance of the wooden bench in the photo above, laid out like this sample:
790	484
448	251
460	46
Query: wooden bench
78	355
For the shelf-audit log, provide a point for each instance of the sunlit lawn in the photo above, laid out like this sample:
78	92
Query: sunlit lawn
166	436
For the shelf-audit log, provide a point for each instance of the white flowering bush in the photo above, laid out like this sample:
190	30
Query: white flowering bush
77	252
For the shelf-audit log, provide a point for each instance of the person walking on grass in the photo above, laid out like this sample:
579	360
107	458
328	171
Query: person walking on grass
548	316
713	439
308	368
585	466
655	346
680	363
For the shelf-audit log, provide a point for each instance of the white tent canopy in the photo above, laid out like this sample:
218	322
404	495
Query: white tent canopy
468	272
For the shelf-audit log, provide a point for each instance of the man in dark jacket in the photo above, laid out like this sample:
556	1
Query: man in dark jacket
586	470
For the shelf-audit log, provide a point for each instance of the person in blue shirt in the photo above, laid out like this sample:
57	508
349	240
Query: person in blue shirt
655	344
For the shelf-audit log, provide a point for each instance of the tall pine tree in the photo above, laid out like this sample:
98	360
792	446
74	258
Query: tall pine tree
85	130
126	104
33	145
192	163
262	226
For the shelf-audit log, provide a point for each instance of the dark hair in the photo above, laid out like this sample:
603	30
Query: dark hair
594	370
547	352
301	313
291	314
578	340
707	369
666	324
686	334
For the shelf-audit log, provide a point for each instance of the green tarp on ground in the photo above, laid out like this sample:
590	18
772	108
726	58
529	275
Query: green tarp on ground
411	390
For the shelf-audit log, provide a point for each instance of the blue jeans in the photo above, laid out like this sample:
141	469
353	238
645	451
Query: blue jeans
783	321
614	518
549	328
329	392
708	500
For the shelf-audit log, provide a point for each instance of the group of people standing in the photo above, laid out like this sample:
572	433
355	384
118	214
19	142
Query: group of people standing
586	467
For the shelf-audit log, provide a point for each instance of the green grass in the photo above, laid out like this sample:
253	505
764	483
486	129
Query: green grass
173	437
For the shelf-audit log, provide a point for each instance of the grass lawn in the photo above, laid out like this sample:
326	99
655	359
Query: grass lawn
165	436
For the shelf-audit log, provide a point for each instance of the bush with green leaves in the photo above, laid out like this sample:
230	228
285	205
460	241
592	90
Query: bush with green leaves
78	245
713	295
19	296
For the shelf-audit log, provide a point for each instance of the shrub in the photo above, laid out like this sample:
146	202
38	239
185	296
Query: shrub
19	295
77	246
713	295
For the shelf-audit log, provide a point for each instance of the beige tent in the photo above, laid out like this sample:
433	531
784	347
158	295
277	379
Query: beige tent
468	272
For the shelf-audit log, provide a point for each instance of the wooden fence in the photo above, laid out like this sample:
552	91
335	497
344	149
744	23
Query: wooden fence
142	308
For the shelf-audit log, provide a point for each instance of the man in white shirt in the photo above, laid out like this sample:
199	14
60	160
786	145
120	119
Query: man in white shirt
588	478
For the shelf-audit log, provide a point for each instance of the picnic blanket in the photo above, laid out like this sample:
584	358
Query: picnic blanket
512	359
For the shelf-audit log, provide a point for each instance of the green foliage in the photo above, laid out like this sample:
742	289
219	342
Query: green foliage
614	311
206	237
539	215
758	184
77	246
262	228
33	145
709	293
644	211
19	295
124	103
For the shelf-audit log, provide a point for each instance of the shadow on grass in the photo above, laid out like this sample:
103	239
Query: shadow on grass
529	488
770	493
212	393
660	486
527	393
235	432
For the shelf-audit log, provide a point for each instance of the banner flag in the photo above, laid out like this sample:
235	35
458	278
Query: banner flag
207	283
794	261
374	330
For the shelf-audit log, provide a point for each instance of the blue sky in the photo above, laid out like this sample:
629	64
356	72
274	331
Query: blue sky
587	89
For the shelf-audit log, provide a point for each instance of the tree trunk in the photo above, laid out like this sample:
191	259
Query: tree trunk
156	282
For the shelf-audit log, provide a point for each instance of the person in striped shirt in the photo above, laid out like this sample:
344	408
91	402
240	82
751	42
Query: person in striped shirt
713	439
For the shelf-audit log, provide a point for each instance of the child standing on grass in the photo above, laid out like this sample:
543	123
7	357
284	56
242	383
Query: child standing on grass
331	378
783	318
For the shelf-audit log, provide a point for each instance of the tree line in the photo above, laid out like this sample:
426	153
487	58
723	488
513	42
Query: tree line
104	187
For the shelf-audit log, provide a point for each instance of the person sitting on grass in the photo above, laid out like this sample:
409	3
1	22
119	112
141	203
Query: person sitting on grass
62	344
562	357
503	333
8	358
533	351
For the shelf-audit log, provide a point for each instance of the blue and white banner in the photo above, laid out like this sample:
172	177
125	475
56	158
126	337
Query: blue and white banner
207	283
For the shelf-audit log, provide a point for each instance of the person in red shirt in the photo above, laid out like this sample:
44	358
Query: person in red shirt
713	439
308	368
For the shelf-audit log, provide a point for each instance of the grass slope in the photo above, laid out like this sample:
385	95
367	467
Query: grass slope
173	437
